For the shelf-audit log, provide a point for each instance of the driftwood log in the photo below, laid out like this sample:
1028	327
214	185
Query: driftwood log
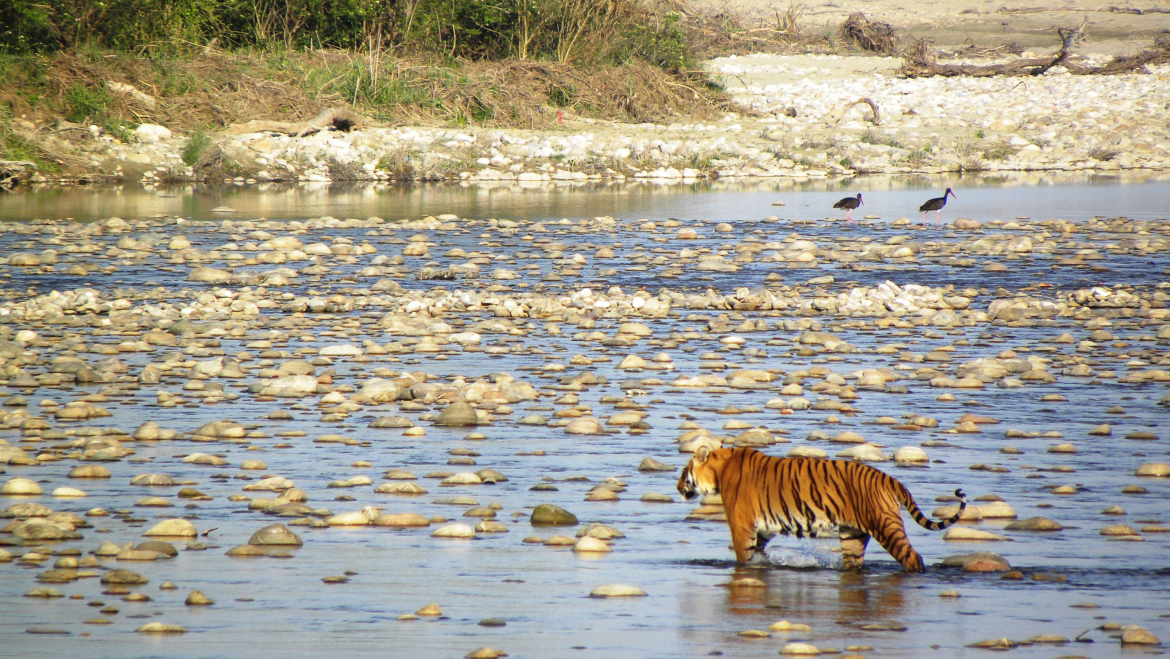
877	115
921	61
341	119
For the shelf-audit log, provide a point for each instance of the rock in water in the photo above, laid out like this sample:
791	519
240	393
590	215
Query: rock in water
1034	524
180	528
458	414
650	464
123	577
547	514
275	534
160	628
1134	635
197	598
617	590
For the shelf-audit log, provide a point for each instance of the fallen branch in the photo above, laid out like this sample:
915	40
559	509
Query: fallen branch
920	61
341	119
877	116
1127	63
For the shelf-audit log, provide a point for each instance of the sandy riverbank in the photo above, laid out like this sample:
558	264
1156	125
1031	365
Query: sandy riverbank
1055	122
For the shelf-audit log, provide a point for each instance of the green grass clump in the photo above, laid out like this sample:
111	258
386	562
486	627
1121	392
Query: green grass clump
195	147
83	103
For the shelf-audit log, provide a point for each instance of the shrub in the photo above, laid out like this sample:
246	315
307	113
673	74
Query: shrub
84	103
195	147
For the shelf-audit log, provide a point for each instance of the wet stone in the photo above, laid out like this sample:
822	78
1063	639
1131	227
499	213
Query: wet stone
275	534
123	577
549	515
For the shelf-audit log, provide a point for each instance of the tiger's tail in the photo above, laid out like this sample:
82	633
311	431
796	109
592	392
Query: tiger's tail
927	523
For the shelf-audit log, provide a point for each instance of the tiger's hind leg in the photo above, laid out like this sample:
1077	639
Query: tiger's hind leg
853	543
892	537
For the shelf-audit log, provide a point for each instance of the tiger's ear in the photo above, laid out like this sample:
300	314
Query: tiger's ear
702	454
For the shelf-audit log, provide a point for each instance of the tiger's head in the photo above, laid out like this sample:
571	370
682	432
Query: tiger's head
699	476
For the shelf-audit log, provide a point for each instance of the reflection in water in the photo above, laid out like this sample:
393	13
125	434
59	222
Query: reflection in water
1139	195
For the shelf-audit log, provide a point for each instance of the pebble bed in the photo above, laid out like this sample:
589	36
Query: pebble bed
460	436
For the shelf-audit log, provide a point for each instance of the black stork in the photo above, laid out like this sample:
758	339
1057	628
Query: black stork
848	203
935	204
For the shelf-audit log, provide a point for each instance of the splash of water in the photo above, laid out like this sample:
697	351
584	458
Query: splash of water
806	556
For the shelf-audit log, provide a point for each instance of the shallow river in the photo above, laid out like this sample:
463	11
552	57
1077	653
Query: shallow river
268	607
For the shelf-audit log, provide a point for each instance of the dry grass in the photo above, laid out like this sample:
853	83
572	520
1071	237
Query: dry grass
870	36
215	89
730	33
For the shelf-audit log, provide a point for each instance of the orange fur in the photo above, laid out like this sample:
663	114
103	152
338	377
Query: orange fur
764	496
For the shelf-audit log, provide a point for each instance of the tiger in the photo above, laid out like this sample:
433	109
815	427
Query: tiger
764	496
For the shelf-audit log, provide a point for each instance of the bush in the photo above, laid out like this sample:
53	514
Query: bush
195	147
566	31
84	103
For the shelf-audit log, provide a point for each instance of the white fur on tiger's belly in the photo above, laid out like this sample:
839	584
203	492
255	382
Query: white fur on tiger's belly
768	528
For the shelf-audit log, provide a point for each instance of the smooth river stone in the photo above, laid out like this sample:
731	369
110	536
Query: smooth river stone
806	452
655	497
247	550
600	531
173	527
26	510
275	534
863	453
21	487
123	577
978	562
399	488
162	548
401	520
799	649
650	464
785	626
462	478
910	454
354	518
1153	469
617	590
585	426
454	531
89	471
1034	524
197	598
996	510
1134	635
964	533
547	514
458	414
161	480
161	628
69	492
590	544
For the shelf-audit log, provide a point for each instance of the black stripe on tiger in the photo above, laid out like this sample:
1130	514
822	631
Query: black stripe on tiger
764	496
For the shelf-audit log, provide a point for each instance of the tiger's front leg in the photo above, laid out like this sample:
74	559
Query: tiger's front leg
853	543
743	538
